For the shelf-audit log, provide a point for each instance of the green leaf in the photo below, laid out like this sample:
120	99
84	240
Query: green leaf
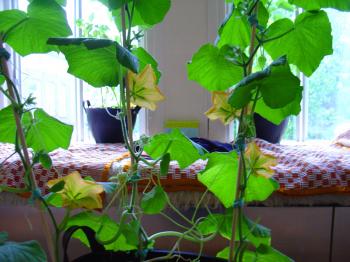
109	229
236	31
276	116
263	14
44	19
54	199
180	148
154	201
47	133
146	13
259	188
248	256
212	70
43	132
269	254
57	187
164	165
131	232
45	160
94	60
343	5
97	67
277	85
220	176
210	224
3	237
2	79
29	251
145	58
305	42
152	11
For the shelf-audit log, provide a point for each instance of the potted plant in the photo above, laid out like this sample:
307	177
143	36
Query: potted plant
274	92
102	117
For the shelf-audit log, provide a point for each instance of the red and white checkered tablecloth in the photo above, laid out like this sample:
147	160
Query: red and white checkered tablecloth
302	170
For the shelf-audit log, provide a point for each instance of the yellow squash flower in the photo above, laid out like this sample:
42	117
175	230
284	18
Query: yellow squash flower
144	89
258	163
221	109
79	193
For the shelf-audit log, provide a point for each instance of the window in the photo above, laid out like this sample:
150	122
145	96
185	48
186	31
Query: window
45	75
325	108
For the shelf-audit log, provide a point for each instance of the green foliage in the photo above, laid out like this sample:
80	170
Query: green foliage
343	5
17	25
93	60
213	70
259	188
146	58
252	232
176	144
2	79
29	251
154	201
147	13
268	83
164	165
305	42
45	160
262	254
276	116
235	31
43	132
105	226
220	176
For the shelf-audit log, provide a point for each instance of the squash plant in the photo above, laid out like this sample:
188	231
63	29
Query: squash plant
21	123
227	69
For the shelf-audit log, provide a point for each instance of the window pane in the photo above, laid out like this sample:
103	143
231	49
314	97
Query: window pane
45	76
328	88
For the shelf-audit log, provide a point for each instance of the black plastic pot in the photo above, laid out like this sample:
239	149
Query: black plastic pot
104	127
98	253
269	131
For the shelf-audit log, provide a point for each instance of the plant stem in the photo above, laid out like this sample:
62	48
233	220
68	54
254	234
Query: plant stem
237	210
24	148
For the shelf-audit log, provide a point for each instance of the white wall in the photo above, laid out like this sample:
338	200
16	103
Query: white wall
188	25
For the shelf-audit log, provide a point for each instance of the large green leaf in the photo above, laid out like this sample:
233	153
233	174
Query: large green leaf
108	231
28	32
277	85
154	201
43	132
146	13
343	5
179	147
236	31
146	58
248	255
153	11
305	42
276	116
259	188
29	251
220	176
98	67
254	233
95	60
213	70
